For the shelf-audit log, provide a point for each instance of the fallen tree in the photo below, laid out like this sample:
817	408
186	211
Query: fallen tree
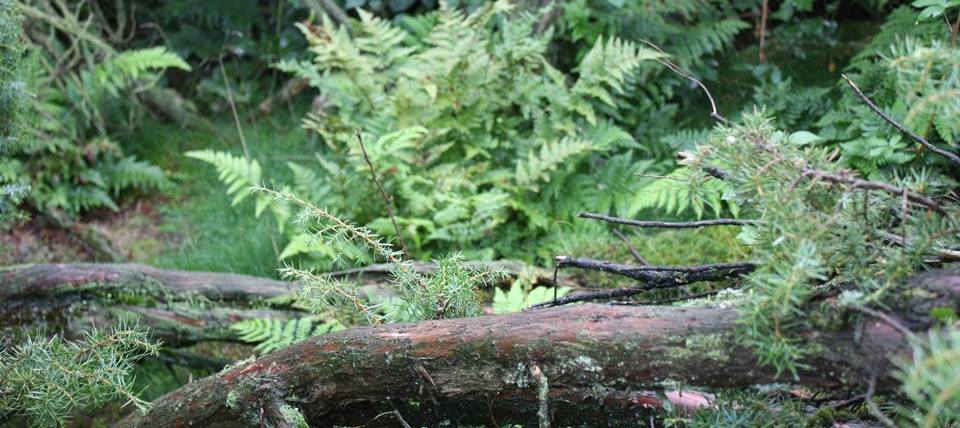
180	308
580	363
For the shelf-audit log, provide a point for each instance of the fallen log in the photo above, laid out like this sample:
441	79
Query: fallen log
180	308
593	358
582	363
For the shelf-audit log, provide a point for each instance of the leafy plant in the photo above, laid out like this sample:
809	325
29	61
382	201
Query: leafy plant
469	127
45	379
13	97
449	291
85	88
273	334
518	297
932	380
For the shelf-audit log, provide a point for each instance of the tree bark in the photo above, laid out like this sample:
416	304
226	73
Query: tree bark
583	363
475	370
180	308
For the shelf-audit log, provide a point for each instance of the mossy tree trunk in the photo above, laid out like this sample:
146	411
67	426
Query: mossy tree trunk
581	364
594	360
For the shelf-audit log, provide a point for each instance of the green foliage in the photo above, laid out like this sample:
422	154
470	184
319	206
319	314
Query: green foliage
467	128
13	96
449	291
240	173
85	91
909	71
813	230
518	297
932	380
946	316
45	379
273	334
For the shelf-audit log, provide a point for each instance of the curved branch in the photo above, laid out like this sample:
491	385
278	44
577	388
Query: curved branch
915	137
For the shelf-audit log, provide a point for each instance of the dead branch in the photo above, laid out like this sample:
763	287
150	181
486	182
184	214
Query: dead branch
915	137
669	224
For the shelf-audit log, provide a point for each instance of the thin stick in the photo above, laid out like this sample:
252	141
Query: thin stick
856	182
657	176
651	277
671	224
632	249
233	106
917	138
672	299
395	413
763	29
387	199
868	400
909	335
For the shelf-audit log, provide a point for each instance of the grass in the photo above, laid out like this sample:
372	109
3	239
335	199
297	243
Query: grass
204	232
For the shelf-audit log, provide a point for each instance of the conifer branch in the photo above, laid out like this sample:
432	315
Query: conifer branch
915	137
671	224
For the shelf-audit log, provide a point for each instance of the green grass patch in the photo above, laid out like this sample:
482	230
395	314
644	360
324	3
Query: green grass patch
202	230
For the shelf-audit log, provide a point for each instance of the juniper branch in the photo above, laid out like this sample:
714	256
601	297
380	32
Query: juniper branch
856	182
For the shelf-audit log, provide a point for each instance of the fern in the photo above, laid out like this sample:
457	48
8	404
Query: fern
239	173
688	191
273	334
537	166
518	298
116	73
464	125
129	172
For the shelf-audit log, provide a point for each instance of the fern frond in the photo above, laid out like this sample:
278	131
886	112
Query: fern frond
235	171
537	166
273	334
130	65
130	172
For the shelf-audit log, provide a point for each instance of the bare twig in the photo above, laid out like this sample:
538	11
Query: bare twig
857	399
915	137
676	69
868	400
945	254
907	334
632	249
395	413
651	277
706	167
386	198
856	182
672	299
658	176
671	224
606	294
